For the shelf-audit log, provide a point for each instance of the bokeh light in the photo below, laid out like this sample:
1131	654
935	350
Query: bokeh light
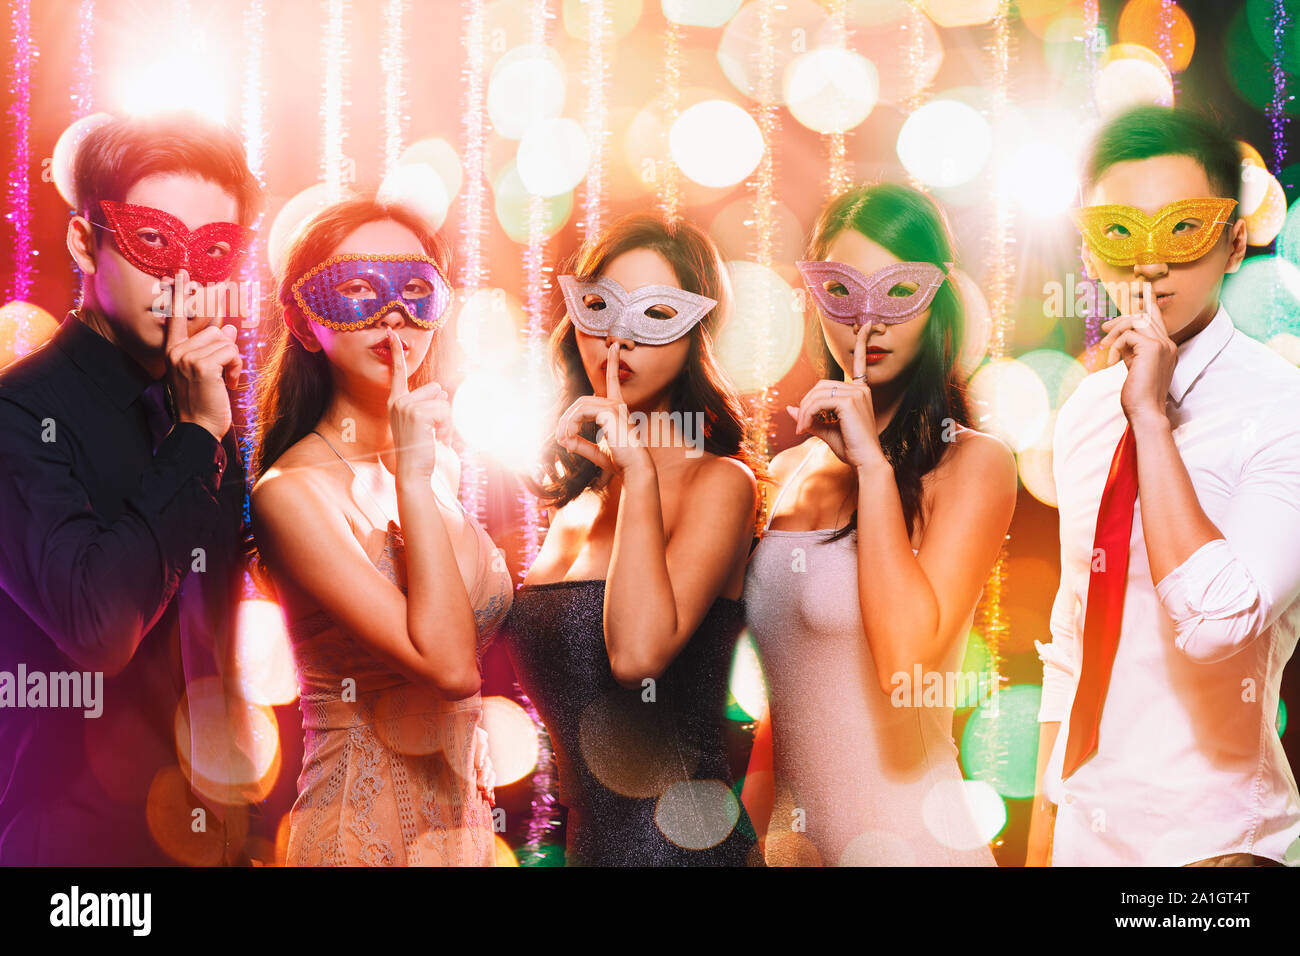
945	143
960	13
621	14
937	812
293	215
697	814
760	342
1263	297
263	655
553	157
738	49
716	143
1143	22
238	755
747	684
65	154
1269	215
512	739
512	206
700	13
1015	402
526	87
830	89
419	188
504	417
898	38
1000	742
1127	81
487	323
23	327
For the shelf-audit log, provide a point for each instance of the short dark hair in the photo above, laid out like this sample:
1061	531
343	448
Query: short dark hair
1145	131
119	153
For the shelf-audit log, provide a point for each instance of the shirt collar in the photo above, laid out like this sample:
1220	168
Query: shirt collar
118	376
1195	355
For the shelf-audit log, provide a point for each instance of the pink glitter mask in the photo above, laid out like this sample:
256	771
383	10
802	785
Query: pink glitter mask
898	292
159	244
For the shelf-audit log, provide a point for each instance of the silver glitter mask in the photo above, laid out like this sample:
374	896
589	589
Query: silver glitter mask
603	307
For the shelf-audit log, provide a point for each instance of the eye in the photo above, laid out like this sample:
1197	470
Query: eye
355	289
836	289
1116	231
903	289
661	312
219	250
1191	224
416	289
151	237
593	302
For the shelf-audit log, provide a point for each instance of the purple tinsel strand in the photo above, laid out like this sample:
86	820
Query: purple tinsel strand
542	818
18	194
1277	108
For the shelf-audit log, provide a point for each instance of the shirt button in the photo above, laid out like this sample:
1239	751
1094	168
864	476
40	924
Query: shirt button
1069	798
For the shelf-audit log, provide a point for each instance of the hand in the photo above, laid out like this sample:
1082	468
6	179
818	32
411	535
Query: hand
416	418
841	413
1143	342
485	776
200	368
619	449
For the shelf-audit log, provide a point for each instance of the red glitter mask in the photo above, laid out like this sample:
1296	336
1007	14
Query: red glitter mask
176	247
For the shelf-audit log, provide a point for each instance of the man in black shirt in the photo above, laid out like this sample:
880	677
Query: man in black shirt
121	501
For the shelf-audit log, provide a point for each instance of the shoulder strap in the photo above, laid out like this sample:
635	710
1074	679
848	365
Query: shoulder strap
354	474
789	483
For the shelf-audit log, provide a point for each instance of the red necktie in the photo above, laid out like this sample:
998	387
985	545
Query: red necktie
1105	612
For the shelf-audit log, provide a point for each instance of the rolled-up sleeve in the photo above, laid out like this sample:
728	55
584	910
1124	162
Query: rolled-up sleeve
1230	590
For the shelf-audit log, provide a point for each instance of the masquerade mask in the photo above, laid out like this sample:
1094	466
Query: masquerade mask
1124	236
604	307
350	292
898	292
159	244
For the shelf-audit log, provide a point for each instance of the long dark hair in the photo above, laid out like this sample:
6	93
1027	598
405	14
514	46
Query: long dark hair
911	226
701	386
295	388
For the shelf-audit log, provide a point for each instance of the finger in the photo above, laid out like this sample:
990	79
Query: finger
612	389
399	386
1126	343
590	451
177	329
230	332
860	353
1152	310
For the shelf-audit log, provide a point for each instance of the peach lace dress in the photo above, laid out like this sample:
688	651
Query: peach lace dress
388	766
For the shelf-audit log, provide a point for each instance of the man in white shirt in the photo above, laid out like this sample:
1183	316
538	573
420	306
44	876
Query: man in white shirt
1182	763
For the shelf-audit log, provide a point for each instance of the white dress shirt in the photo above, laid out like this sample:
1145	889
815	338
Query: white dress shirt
1188	763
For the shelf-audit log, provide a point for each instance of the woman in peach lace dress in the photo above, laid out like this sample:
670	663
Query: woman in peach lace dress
391	590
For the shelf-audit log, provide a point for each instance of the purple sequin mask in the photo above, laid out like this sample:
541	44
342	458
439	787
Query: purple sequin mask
352	291
603	307
898	292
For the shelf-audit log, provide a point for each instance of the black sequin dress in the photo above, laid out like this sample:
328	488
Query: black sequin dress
642	771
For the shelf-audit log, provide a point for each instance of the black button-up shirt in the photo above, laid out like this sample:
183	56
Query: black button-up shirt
117	559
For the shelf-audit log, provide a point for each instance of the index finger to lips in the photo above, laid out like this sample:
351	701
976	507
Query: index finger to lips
612	389
860	353
177	330
399	386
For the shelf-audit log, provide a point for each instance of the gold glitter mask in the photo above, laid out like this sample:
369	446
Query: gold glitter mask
1124	236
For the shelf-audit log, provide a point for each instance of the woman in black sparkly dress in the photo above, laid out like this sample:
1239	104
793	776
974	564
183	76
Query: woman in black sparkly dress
623	631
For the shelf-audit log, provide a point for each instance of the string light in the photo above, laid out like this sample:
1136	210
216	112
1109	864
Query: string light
1091	63
1277	117
393	63
670	198
599	35
253	127
838	179
768	118
998	281
332	129
82	88
473	223
18	191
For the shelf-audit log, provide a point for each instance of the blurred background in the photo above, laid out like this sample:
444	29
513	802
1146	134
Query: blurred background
522	126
